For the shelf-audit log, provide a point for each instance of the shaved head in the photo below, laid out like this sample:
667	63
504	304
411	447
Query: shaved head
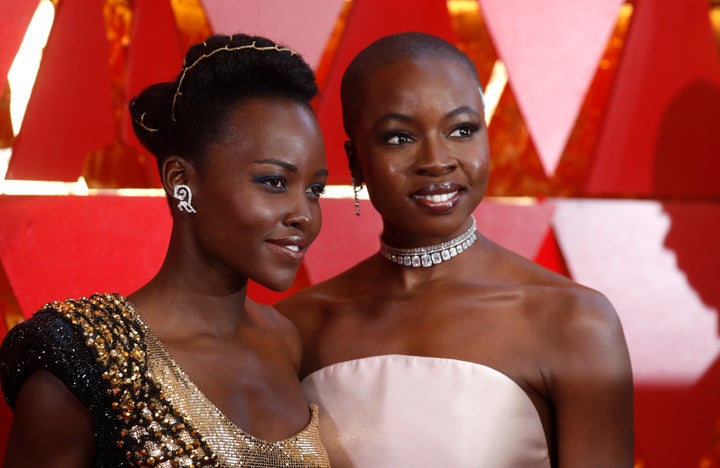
407	46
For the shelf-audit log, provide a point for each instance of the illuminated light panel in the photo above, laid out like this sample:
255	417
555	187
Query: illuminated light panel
619	247
328	56
23	71
515	168
515	164
192	22
551	51
278	20
494	89
715	23
474	40
118	164
5	154
10	311
7	136
572	172
472	37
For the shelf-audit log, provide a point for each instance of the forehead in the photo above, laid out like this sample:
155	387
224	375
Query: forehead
262	121
262	126
411	84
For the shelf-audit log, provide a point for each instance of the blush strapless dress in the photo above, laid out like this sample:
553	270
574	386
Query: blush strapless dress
410	411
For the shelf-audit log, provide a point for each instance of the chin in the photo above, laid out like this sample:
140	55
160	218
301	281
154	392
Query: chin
278	284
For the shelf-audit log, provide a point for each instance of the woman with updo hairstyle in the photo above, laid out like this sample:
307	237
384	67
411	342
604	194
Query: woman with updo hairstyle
444	349
187	370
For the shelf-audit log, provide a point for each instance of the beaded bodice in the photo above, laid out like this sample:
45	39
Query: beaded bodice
158	416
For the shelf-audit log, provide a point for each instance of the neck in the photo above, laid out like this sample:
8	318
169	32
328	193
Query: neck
185	294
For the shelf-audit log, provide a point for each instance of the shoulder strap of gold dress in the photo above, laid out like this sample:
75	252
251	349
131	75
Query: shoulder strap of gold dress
152	432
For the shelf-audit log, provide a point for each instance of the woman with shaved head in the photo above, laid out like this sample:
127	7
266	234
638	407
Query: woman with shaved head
444	348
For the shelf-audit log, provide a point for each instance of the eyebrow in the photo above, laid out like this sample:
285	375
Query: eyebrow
407	118
462	110
290	167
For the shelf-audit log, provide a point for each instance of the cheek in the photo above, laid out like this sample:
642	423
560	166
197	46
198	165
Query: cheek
478	164
477	168
385	172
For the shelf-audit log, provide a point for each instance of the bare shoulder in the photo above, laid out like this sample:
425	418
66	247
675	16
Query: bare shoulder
571	317
308	306
280	326
582	332
567	305
579	317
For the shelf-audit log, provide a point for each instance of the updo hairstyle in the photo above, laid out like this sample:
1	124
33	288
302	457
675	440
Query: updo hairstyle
184	116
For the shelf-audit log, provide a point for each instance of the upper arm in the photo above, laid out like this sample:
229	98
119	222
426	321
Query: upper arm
592	388
50	427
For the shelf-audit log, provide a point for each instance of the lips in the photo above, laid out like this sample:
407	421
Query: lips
438	198
292	247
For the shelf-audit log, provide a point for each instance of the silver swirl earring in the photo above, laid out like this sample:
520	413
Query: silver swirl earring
183	192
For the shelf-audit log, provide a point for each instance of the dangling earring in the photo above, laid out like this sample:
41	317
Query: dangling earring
181	192
356	189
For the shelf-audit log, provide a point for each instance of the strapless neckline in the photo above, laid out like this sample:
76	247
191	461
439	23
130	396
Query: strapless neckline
403	410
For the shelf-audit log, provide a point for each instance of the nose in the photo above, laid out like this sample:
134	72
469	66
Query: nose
434	159
300	214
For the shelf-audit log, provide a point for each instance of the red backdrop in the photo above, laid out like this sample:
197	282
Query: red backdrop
605	145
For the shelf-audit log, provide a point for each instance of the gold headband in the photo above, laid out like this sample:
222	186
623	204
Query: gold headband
227	48
141	122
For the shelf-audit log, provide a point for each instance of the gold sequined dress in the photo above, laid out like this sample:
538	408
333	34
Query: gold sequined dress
147	411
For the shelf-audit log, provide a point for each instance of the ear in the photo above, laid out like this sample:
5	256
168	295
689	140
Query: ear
353	163
174	170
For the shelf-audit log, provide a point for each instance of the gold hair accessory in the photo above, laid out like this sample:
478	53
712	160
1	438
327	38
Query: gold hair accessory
226	48
141	122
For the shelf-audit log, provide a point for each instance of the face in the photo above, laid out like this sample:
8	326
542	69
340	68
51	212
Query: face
421	145
256	193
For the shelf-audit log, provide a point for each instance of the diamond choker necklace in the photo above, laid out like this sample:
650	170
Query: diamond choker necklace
432	255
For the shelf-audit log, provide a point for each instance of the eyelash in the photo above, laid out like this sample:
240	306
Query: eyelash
316	190
470	128
279	184
386	137
273	182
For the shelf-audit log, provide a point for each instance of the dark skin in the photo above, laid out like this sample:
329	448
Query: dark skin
256	197
421	125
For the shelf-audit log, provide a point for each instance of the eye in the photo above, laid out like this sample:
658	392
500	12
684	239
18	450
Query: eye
276	183
466	130
398	139
314	191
